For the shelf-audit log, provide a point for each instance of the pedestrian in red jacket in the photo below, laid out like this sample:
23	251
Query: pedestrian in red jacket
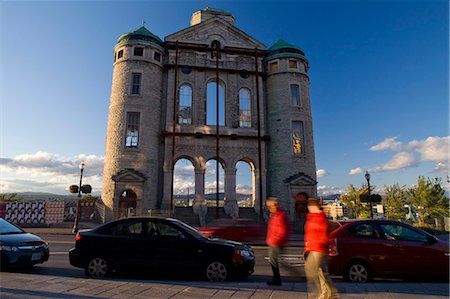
316	252
278	231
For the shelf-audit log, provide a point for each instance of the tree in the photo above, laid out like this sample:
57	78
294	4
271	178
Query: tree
86	189
429	200
394	201
352	199
10	198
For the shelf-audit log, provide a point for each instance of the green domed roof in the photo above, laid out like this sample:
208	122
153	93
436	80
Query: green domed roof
284	49
141	34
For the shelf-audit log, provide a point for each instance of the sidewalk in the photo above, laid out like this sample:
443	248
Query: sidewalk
20	285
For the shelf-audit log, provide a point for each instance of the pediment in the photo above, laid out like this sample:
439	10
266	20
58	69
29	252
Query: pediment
300	179
216	29
129	175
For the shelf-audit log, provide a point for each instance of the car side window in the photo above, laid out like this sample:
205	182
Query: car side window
402	233
127	229
152	230
169	232
364	230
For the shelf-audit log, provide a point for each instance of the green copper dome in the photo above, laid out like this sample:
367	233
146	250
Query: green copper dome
284	49
142	35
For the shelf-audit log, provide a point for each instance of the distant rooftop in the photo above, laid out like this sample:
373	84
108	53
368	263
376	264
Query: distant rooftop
208	13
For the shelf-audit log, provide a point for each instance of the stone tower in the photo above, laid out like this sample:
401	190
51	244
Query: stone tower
160	113
291	162
132	164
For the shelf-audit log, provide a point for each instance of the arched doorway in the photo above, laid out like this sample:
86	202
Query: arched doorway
301	204
127	203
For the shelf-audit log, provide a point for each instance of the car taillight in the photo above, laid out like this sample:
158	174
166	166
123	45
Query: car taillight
78	237
332	249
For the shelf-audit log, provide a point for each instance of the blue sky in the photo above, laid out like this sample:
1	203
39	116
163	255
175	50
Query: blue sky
379	83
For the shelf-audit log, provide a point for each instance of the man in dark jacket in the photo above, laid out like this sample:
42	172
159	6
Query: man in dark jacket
278	231
316	252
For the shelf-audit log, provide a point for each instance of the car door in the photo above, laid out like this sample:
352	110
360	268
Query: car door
127	243
409	250
364	244
174	248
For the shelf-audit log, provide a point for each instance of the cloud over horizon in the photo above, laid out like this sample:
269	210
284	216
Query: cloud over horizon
411	154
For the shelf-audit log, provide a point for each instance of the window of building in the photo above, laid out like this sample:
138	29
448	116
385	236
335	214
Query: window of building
295	95
245	116
273	67
211	104
138	51
136	83
185	106
293	64
157	56
215	46
120	54
298	138
132	134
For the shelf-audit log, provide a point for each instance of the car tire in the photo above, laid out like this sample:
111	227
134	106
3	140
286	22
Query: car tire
357	271
97	267
216	271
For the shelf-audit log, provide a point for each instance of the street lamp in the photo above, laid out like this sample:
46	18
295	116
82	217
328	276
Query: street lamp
77	212
367	175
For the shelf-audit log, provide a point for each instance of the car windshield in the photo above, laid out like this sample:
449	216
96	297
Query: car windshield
195	233
8	228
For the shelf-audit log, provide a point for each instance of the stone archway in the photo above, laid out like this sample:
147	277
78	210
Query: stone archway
127	203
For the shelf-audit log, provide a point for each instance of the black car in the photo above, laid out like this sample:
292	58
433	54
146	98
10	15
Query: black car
19	248
159	244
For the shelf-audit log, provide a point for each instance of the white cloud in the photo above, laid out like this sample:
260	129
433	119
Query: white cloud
441	168
245	189
387	144
321	173
46	172
400	161
324	190
356	170
432	149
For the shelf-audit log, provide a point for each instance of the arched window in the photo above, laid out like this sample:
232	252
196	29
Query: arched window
185	105
245	114
215	46
211	101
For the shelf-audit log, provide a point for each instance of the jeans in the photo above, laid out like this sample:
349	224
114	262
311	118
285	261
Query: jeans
319	282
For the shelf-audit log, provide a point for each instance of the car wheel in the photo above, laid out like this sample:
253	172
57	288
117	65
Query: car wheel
216	271
97	268
357	272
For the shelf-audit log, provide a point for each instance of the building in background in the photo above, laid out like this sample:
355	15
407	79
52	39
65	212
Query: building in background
207	92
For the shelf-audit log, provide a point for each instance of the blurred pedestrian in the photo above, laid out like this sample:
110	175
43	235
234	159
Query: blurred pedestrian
278	231
316	253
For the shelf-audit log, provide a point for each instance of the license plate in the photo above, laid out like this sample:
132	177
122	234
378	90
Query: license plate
36	256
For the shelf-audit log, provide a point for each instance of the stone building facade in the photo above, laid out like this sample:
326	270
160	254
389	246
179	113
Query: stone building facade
166	105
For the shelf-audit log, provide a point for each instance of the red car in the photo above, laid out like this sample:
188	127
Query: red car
243	230
363	249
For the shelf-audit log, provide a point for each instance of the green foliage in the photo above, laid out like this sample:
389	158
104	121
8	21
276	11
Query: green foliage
356	207
393	202
10	198
86	189
73	189
428	197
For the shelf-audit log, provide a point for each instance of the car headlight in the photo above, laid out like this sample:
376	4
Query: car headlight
244	252
8	248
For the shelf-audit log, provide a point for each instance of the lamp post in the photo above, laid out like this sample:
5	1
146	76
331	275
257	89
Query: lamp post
367	175
77	212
